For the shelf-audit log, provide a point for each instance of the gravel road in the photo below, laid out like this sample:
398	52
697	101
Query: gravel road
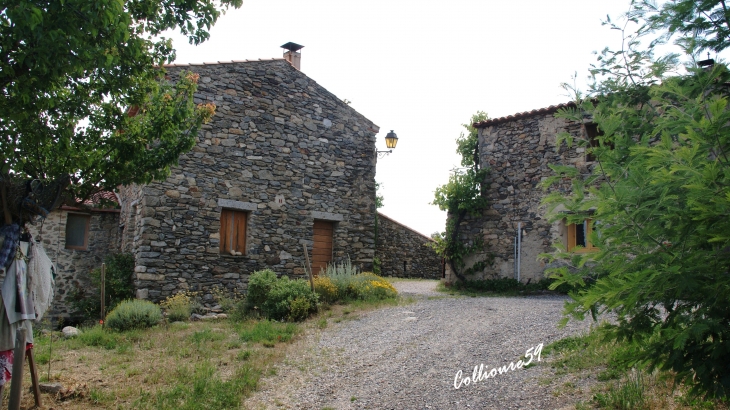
407	357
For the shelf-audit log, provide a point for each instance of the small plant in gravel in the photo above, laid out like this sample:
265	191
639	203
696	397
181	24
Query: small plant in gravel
134	314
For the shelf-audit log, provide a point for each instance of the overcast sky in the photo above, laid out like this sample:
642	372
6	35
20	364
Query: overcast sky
422	68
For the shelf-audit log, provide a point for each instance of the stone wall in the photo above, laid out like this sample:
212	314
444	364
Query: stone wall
280	148
517	150
403	251
74	266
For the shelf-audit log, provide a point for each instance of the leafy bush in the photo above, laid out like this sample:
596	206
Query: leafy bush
134	314
272	297
326	290
299	309
178	306
259	286
349	284
372	286
503	286
278	304
119	286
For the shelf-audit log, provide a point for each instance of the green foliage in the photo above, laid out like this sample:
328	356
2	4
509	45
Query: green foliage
70	71
204	388
279	304
699	24
268	331
628	395
343	282
272	298
378	198
97	336
259	286
460	197
661	197
377	263
119	286
133	314
501	286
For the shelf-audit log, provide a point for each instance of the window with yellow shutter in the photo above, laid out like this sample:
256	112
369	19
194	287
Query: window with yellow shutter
578	237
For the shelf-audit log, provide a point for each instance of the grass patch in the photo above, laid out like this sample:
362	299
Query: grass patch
267	332
496	287
590	356
197	365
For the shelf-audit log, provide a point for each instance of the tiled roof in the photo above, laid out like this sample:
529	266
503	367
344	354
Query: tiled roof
96	198
223	62
526	114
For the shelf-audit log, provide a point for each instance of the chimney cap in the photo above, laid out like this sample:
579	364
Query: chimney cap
292	46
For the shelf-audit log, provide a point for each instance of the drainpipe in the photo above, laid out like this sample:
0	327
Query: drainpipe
519	248
514	258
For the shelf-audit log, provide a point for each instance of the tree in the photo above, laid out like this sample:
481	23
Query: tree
84	103
460	197
660	193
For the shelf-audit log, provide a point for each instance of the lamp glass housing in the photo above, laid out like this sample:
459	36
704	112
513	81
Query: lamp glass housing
391	140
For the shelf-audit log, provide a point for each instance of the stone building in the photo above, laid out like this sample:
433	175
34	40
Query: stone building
517	150
404	252
77	239
283	164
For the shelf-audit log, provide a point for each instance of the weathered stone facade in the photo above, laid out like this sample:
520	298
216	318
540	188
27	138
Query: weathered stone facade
517	150
74	266
403	252
282	150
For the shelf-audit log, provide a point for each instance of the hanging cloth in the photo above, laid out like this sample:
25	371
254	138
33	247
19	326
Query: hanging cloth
41	273
15	292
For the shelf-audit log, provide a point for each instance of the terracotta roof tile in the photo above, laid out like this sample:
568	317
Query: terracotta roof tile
520	115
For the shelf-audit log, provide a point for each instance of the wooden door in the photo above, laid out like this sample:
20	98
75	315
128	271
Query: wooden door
322	248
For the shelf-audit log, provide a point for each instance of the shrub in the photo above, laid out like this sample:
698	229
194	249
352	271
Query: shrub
299	309
326	290
342	276
178	306
226	300
284	291
372	286
134	314
259	286
119	286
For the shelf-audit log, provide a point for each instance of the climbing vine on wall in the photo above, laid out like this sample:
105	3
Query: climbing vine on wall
462	196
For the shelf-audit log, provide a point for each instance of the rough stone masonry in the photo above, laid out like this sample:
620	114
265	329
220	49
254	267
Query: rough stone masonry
280	149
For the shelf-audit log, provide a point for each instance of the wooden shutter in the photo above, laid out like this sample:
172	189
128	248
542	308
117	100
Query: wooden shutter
571	237
233	231
322	248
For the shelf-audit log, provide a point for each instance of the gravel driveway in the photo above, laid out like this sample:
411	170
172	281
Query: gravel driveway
407	357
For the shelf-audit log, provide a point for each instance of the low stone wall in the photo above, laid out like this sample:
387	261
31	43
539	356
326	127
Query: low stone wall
74	266
403	252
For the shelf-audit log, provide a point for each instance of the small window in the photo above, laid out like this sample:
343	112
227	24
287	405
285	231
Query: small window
233	232
77	231
579	234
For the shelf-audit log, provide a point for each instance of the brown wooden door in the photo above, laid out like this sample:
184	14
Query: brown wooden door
322	248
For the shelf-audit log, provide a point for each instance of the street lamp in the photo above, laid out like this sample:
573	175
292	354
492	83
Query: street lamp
390	142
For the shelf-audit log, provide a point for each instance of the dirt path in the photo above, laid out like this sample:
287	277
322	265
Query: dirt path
407	357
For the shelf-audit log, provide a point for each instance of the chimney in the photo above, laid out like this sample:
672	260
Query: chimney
292	54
